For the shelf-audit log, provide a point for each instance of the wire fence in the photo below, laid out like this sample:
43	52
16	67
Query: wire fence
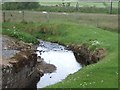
99	20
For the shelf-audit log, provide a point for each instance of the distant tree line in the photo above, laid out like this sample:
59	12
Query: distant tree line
20	5
63	7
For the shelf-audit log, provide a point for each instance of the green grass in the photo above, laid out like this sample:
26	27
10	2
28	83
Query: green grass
104	73
81	4
84	7
20	35
100	75
103	21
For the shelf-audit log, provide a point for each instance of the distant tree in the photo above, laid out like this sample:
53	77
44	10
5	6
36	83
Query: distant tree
20	5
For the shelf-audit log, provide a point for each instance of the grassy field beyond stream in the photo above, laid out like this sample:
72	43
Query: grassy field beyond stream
104	74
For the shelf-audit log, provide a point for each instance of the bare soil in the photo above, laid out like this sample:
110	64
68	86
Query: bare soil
9	43
46	68
11	47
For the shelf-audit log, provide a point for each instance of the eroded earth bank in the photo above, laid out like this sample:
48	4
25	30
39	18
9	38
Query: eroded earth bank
22	67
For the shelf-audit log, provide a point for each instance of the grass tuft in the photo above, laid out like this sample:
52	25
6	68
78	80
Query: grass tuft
23	36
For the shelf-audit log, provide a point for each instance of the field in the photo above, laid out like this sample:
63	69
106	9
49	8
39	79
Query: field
73	28
81	7
82	4
104	21
70	7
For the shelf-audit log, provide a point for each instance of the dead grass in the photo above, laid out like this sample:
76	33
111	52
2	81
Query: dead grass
104	21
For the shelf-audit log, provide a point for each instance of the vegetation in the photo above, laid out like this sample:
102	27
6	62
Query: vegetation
103	74
20	35
20	5
100	75
85	9
71	28
81	4
63	7
103	21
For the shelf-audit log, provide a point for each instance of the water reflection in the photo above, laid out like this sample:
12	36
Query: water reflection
63	59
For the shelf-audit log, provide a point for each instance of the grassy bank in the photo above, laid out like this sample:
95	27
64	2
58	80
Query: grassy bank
100	75
19	34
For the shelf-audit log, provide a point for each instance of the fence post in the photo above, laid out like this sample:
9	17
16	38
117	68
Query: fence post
4	17
110	7
23	16
47	16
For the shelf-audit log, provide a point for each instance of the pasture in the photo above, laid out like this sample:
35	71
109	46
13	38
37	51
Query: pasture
72	28
82	4
104	21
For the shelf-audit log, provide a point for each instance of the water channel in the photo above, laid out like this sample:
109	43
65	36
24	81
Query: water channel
59	56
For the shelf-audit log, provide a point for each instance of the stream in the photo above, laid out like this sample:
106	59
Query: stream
59	56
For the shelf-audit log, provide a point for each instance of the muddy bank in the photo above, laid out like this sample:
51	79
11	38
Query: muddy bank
21	71
28	64
20	65
11	46
85	56
9	43
46	68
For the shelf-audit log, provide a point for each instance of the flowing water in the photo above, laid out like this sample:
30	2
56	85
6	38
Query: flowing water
57	55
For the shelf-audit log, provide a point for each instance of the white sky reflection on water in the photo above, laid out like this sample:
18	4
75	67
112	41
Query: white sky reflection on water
64	61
